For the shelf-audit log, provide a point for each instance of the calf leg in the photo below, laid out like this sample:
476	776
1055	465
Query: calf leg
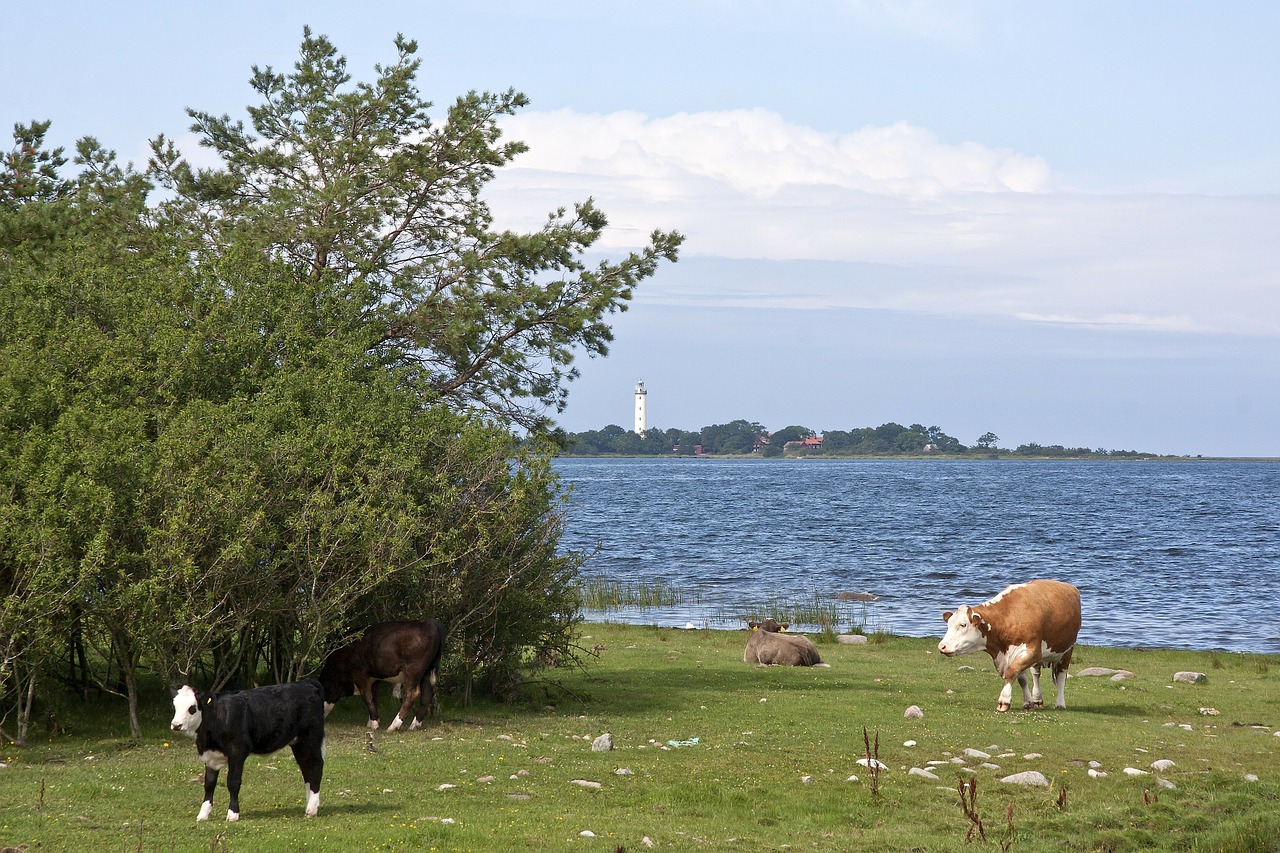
369	693
310	760
210	785
411	693
235	770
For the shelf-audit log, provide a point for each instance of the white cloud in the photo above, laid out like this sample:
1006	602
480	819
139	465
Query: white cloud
972	229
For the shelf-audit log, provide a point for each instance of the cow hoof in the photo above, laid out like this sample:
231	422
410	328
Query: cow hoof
232	816
395	724
415	725
205	811
1040	704
373	724
1030	706
1002	706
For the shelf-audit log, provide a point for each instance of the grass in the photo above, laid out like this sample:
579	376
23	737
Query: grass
769	770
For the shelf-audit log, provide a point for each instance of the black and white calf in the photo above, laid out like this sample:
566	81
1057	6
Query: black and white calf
228	727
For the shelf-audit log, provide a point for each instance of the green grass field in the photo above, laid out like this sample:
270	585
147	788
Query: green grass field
762	762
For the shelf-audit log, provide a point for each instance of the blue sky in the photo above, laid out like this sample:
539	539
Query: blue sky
1056	222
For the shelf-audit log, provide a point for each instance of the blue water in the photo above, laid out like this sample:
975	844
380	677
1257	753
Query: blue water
1166	554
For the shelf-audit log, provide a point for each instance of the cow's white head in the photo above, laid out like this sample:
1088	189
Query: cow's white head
966	632
186	711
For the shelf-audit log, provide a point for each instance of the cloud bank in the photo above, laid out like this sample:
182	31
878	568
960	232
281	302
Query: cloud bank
924	225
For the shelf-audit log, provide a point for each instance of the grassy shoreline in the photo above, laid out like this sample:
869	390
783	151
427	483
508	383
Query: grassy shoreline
761	758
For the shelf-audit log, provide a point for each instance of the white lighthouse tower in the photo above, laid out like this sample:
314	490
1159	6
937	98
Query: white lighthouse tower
641	416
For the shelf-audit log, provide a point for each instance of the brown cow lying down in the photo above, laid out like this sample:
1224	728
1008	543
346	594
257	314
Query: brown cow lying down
768	646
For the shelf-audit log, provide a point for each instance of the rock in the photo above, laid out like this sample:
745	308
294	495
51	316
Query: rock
977	753
1208	712
987	765
913	713
1163	764
965	668
444	787
1027	777
1190	677
1165	783
1032	756
1103	671
1122	676
908	743
852	779
586	783
623	771
869	762
586	833
807	780
1251	777
604	743
1134	771
852	639
922	773
485	780
647	841
1097	774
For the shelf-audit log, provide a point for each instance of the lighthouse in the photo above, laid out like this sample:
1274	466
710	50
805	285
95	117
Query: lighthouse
641	425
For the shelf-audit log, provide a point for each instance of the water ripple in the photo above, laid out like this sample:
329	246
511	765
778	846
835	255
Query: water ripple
1166	554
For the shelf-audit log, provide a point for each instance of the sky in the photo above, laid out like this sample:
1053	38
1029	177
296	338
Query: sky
1057	222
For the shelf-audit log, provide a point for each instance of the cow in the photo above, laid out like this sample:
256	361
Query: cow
407	654
769	646
228	727
1023	628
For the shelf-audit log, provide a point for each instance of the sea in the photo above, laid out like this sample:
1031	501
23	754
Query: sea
1167	554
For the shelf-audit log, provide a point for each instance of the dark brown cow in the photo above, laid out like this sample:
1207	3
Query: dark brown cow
407	654
768	646
1024	627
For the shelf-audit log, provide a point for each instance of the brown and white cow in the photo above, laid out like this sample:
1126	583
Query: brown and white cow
1024	627
768	646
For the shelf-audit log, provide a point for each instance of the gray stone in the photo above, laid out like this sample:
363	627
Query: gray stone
1027	777
604	743
1190	677
852	639
1105	671
913	713
921	772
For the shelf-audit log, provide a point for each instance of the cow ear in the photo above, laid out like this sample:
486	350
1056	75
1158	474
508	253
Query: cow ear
754	626
946	617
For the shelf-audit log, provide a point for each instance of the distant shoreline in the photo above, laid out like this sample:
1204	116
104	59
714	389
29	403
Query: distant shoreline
932	457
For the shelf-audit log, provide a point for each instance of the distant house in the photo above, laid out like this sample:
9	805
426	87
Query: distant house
805	445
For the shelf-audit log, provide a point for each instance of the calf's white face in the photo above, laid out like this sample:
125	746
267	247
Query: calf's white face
186	712
964	634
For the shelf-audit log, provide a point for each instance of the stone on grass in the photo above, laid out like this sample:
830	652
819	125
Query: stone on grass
1027	777
977	753
604	743
913	713
921	772
852	639
1208	712
1103	671
1190	677
586	783
1097	774
1162	764
1134	771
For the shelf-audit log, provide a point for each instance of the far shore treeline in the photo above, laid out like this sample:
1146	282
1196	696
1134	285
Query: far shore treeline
748	438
